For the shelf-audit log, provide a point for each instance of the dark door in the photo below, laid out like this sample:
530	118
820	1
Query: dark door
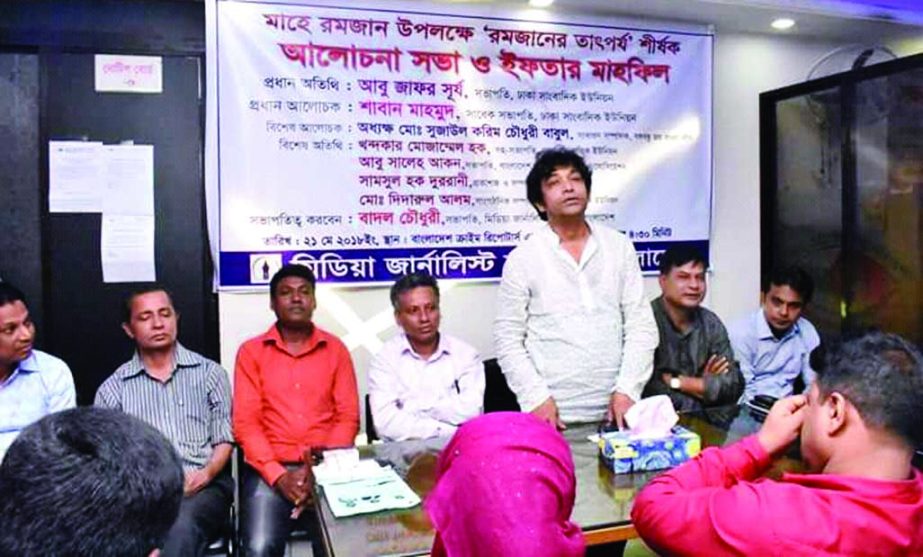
82	314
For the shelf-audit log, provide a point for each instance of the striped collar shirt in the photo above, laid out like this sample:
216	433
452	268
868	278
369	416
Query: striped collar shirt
192	408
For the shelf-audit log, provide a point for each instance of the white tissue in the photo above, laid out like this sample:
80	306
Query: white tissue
651	417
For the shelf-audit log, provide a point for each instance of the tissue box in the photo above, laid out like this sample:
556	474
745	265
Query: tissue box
623	454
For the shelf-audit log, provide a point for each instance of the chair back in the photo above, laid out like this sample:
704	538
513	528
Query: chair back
370	432
497	394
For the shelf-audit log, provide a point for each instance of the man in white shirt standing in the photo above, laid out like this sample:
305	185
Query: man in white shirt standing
423	383
574	333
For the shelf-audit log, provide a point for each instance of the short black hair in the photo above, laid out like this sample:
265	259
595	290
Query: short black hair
881	374
10	294
677	256
546	162
291	270
88	482
140	291
792	276
409	282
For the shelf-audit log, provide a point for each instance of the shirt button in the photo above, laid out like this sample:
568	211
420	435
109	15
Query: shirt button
297	385
181	403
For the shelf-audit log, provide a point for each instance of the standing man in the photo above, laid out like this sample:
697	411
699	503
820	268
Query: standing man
774	344
33	384
423	383
693	363
574	333
294	391
186	397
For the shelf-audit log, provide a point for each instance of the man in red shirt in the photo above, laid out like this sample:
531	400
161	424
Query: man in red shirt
859	425
294	390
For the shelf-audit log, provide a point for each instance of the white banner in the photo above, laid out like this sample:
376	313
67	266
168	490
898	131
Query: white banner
366	143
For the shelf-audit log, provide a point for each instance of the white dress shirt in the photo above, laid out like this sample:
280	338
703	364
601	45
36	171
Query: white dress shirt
416	398
577	331
40	385
770	365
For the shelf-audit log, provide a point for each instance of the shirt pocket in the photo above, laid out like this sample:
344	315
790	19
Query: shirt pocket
26	412
555	302
194	429
194	411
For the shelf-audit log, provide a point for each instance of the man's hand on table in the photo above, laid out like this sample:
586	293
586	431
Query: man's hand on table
618	405
782	424
548	411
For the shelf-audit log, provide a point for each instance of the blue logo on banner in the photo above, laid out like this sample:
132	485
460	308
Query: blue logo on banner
387	265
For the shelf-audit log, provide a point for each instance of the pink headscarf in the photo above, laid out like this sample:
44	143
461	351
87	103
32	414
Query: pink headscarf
505	486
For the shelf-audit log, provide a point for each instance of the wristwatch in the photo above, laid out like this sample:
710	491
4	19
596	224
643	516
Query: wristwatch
675	383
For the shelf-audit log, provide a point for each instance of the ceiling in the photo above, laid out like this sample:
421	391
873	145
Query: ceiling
850	21
866	21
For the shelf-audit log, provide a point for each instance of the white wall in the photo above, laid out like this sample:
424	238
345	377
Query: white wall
745	66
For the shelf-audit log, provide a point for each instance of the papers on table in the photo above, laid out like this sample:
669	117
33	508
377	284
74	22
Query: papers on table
364	469
352	486
382	492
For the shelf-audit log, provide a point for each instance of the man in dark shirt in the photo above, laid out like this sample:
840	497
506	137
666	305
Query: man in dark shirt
693	363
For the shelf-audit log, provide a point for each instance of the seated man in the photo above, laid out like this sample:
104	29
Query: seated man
858	425
294	390
693	363
188	399
774	344
423	383
32	383
88	482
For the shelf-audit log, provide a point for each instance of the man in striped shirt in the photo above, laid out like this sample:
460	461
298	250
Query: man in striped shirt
187	398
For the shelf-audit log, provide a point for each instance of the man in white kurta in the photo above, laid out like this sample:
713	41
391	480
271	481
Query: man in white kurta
423	383
574	333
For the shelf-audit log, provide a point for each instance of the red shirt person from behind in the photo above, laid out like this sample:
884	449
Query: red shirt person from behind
859	425
294	390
